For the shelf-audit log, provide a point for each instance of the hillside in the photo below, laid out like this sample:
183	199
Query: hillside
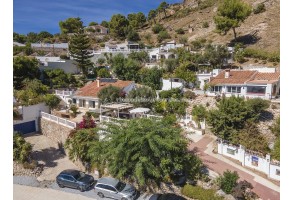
191	14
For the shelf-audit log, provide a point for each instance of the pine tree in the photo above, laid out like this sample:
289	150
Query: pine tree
78	48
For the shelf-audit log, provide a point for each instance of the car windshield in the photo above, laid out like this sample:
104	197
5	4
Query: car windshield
120	186
79	175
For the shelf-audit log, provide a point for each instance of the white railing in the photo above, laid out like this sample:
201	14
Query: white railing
119	50
63	92
58	120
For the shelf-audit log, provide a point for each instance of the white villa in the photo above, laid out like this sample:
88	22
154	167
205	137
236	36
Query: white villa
163	52
204	77
249	84
86	97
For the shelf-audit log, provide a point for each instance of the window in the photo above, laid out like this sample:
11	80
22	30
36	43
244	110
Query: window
277	172
256	89
110	188
233	89
92	104
231	151
74	101
68	178
217	88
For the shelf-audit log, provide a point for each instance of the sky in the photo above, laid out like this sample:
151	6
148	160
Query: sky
44	15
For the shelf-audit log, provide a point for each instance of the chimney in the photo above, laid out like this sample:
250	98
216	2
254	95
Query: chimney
227	73
98	81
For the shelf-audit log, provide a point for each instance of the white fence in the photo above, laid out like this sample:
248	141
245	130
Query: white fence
64	92
250	159
119	50
58	120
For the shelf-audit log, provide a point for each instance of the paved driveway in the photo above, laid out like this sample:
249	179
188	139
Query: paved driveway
220	166
47	152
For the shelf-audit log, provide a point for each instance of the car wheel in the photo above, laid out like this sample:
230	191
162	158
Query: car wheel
101	195
81	189
60	185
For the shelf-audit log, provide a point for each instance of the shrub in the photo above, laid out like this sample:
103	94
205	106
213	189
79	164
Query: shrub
87	122
206	4
207	104
189	95
205	25
21	148
180	31
64	57
31	165
241	191
228	181
74	109
162	35
197	192
259	9
157	28
173	93
263	55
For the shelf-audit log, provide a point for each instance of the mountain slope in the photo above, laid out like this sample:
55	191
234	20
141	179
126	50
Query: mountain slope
265	26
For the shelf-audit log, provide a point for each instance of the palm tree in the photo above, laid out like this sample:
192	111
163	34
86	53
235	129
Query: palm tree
147	151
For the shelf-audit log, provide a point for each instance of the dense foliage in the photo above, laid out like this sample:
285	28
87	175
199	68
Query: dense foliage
57	78
24	68
71	25
52	101
142	97
78	48
147	151
199	193
232	115
228	181
21	148
230	14
109	94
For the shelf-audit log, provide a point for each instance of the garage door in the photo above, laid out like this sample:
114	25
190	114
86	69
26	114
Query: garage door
27	127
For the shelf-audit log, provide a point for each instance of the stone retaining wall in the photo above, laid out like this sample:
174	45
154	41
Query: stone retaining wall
54	131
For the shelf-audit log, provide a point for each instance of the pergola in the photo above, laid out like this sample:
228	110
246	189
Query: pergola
117	107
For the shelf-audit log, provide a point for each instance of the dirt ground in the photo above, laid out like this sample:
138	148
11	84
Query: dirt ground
47	152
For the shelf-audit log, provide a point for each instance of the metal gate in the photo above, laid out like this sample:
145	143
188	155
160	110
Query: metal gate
27	127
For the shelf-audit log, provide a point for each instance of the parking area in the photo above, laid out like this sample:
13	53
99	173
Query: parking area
48	153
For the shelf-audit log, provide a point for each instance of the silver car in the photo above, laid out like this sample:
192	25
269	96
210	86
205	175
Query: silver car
113	188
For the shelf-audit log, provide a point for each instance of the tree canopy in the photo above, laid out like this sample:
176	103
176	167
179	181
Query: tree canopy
57	78
21	148
71	25
109	94
230	14
117	26
52	101
78	48
142	97
24	68
151	77
231	116
151	153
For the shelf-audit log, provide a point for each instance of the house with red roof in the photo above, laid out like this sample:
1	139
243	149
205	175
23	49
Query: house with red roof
246	83
87	96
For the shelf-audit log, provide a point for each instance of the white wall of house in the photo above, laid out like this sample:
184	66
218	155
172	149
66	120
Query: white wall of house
274	172
67	66
167	84
262	164
251	160
30	113
261	69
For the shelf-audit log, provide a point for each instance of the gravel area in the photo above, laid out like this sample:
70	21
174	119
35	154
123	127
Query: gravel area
26	180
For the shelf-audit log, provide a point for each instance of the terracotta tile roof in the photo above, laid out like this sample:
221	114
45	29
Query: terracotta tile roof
236	77
243	77
265	78
91	89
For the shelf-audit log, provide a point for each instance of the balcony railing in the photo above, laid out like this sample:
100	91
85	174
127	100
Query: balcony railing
64	92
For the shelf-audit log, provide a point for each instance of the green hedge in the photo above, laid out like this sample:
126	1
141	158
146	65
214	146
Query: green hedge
196	192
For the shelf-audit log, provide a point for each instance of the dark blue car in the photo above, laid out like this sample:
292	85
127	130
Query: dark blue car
74	179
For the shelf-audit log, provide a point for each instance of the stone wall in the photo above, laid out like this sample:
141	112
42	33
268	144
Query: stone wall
54	131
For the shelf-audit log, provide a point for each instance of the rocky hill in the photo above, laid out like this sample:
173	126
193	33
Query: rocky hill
195	17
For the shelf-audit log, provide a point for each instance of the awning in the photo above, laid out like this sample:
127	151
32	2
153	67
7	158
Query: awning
140	110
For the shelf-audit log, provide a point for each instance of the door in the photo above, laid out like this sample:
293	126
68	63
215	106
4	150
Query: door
27	127
112	192
70	181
